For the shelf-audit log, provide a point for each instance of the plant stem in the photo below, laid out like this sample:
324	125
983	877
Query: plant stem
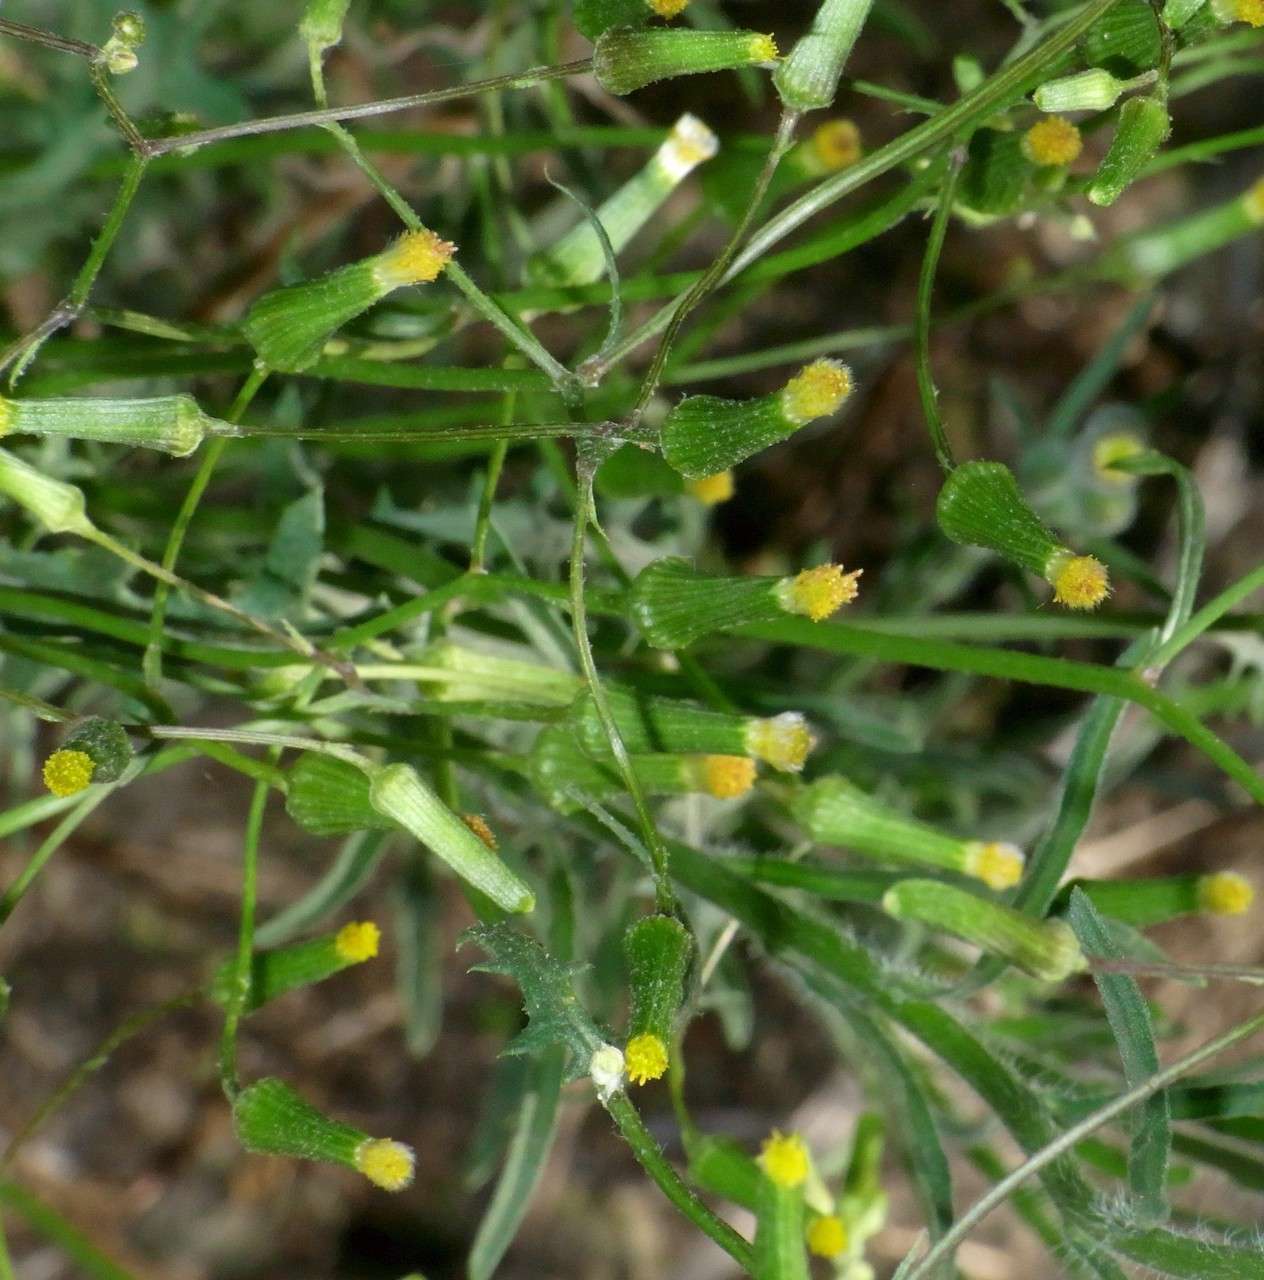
49	39
1066	1142
921	323
669	1182
151	665
301	119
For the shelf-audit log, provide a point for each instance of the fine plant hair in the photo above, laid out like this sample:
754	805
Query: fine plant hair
410	521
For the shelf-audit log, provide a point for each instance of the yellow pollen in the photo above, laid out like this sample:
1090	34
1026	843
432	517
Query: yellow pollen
645	1058
763	49
1079	582
1052	141
668	8
386	1163
1251	12
784	1159
66	773
357	942
816	593
415	258
1113	448
712	490
1225	893
478	825
1254	201
6	416
996	862
784	741
816	391
827	1237
726	777
836	144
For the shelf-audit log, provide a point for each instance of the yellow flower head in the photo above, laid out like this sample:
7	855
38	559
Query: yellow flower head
836	144
1052	141
66	773
6	415
784	740
1225	893
1250	12
668	8
827	1237
478	825
726	777
784	1159
645	1057
415	258
357	942
386	1163
712	490
1079	582
1254	201
996	862
818	592
1113	448
816	391
763	49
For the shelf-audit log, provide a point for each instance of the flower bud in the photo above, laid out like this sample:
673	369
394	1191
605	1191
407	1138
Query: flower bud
980	505
835	812
1143	128
1092	90
668	8
396	792
808	77
271	1118
578	257
1225	893
172	424
118	54
273	973
648	724
330	797
1047	949
1157	899
832	146
826	1236
674	605
657	951
477	675
780	1208
105	743
625	59
785	1160
321	25
66	773
59	507
607	1071
711	491
289	327
1249	11
703	435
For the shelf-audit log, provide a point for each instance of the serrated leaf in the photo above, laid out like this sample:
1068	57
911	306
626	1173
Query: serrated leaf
554	1013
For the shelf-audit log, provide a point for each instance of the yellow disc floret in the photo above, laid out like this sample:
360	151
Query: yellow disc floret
1052	141
6	416
1250	12
1254	201
726	777
836	144
1113	448
415	258
816	391
478	825
645	1057
827	1237
763	49
712	490
357	942
784	740
818	592
1079	582
66	773
668	8
1225	893
386	1163
996	862
784	1159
